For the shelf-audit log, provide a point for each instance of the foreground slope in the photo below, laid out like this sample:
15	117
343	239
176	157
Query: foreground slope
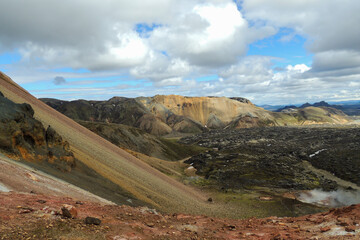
132	175
18	177
26	139
30	216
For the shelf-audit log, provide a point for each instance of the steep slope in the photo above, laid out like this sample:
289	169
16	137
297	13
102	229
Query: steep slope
25	139
140	141
132	175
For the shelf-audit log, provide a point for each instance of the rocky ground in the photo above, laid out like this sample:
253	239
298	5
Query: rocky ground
277	157
31	216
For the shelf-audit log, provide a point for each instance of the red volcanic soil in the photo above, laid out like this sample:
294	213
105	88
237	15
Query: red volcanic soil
32	216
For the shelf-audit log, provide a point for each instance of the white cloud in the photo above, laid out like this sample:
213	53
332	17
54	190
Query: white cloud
130	50
336	59
291	76
192	38
249	70
158	66
331	26
102	35
176	81
211	34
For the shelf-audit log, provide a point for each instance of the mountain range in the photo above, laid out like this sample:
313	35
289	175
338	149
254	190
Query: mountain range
162	115
351	108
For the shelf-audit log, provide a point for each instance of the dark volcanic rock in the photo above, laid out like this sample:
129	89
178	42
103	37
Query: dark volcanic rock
92	220
274	156
22	136
240	99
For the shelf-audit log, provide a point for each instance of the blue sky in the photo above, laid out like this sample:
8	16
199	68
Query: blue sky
266	51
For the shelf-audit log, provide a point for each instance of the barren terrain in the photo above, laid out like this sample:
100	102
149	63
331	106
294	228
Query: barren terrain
32	216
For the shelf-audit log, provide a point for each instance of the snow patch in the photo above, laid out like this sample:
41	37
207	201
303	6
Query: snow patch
317	152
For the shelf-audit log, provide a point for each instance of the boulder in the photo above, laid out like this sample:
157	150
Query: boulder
69	211
92	221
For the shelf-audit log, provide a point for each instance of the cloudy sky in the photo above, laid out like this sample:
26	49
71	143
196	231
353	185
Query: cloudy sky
272	52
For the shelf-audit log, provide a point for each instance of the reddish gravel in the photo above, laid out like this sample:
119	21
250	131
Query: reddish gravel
31	216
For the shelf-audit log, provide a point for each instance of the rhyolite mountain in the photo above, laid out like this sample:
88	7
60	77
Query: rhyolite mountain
162	115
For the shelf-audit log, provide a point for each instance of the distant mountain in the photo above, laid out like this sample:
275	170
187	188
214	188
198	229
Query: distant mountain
317	104
168	114
286	108
351	108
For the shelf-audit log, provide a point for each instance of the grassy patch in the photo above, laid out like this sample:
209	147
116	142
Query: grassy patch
177	151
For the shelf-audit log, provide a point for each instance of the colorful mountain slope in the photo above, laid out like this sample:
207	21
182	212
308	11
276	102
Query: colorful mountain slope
132	175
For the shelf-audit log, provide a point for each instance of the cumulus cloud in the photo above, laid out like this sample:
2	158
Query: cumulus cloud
81	34
331	26
176	81
212	34
59	80
159	66
249	70
335	60
102	35
185	40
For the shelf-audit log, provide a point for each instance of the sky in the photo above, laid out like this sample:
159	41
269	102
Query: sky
271	52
